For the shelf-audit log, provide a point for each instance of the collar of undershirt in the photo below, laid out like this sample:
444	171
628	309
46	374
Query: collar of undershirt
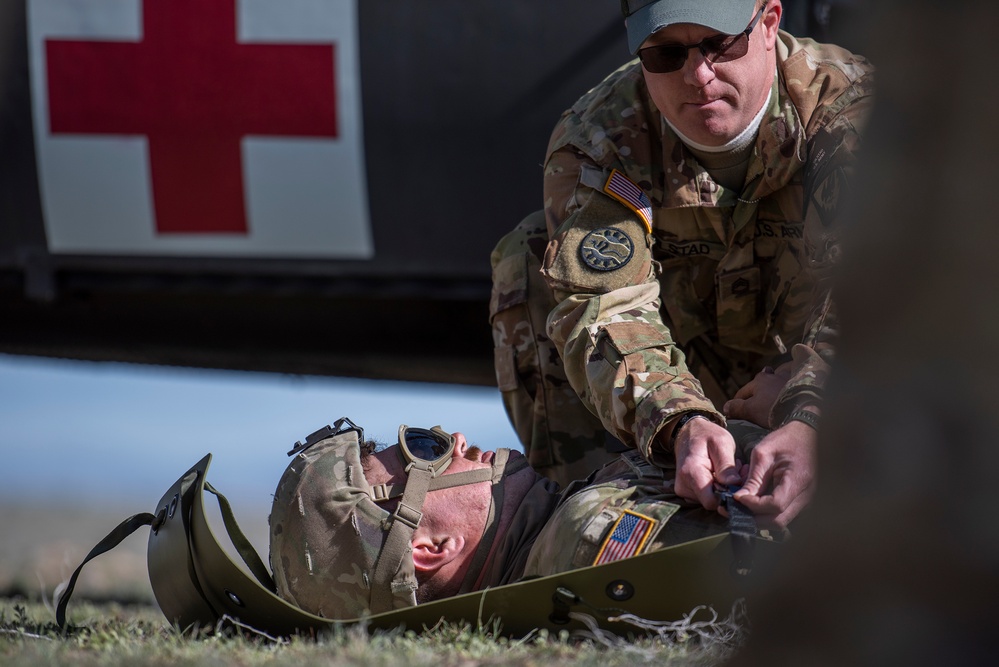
737	144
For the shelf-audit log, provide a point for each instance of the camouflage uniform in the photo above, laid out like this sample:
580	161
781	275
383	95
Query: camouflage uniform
579	531
719	282
331	544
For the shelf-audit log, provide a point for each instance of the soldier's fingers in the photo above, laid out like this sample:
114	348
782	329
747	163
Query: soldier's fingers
773	511
695	482
746	390
798	504
757	478
784	370
706	491
734	408
790	494
723	463
759	505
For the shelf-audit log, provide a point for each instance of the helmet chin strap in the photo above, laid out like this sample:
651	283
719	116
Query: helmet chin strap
406	518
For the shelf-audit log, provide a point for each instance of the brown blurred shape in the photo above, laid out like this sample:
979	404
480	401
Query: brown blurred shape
897	562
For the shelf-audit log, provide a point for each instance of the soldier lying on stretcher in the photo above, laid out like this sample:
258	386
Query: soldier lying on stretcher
357	529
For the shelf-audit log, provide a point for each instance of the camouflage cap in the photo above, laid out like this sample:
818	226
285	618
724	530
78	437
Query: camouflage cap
644	17
326	535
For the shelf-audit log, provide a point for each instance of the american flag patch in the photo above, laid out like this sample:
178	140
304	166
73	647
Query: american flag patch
623	189
627	538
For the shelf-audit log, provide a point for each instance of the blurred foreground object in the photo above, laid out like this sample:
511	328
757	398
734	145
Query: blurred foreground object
896	562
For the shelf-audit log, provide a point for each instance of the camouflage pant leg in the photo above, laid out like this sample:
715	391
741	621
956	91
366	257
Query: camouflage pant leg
563	440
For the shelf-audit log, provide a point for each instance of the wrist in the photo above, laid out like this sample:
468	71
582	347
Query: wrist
682	422
803	415
786	405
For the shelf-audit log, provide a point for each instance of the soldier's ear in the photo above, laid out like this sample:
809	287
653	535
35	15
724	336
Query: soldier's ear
432	553
771	22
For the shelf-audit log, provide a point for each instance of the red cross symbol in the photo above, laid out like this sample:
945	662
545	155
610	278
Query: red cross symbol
194	92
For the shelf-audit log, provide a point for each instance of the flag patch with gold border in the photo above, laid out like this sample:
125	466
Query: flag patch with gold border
623	189
627	538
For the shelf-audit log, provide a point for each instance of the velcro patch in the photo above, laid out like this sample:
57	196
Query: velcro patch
599	248
627	538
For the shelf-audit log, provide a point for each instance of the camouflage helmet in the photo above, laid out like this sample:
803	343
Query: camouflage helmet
334	551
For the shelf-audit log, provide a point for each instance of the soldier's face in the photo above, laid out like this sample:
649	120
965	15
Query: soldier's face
455	517
712	103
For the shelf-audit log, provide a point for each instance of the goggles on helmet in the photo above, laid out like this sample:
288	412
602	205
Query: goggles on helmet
338	548
428	449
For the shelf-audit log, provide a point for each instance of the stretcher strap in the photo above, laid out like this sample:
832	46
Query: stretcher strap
243	546
113	539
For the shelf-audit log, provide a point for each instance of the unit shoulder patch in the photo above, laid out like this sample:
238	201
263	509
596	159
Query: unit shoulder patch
602	246
606	249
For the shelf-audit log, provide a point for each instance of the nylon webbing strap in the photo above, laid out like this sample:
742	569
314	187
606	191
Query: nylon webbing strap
243	546
383	492
398	544
460	478
742	526
113	539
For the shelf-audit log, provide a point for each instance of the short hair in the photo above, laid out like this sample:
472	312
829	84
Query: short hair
368	447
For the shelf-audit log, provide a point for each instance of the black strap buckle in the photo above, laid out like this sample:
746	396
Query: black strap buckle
327	432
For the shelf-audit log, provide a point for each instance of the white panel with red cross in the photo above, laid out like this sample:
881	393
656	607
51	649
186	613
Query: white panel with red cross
200	127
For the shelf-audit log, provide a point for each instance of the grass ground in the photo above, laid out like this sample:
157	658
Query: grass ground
112	634
43	545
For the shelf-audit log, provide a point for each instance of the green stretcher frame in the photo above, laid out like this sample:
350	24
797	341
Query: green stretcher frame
197	583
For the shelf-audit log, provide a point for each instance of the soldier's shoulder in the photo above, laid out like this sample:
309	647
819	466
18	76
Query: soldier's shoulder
824	77
618	109
831	88
808	59
622	87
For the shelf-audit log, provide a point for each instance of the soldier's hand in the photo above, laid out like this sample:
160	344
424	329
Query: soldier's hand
705	454
754	401
781	477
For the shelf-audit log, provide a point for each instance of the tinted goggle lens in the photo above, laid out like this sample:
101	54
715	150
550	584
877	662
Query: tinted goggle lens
427	445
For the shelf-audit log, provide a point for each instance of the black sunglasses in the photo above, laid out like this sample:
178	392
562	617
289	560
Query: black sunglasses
717	49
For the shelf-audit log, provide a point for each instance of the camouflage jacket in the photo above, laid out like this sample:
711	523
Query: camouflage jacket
689	268
624	509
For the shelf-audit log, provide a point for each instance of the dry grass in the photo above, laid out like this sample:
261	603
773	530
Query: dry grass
112	634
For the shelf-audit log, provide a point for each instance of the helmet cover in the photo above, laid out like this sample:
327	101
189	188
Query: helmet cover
326	534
